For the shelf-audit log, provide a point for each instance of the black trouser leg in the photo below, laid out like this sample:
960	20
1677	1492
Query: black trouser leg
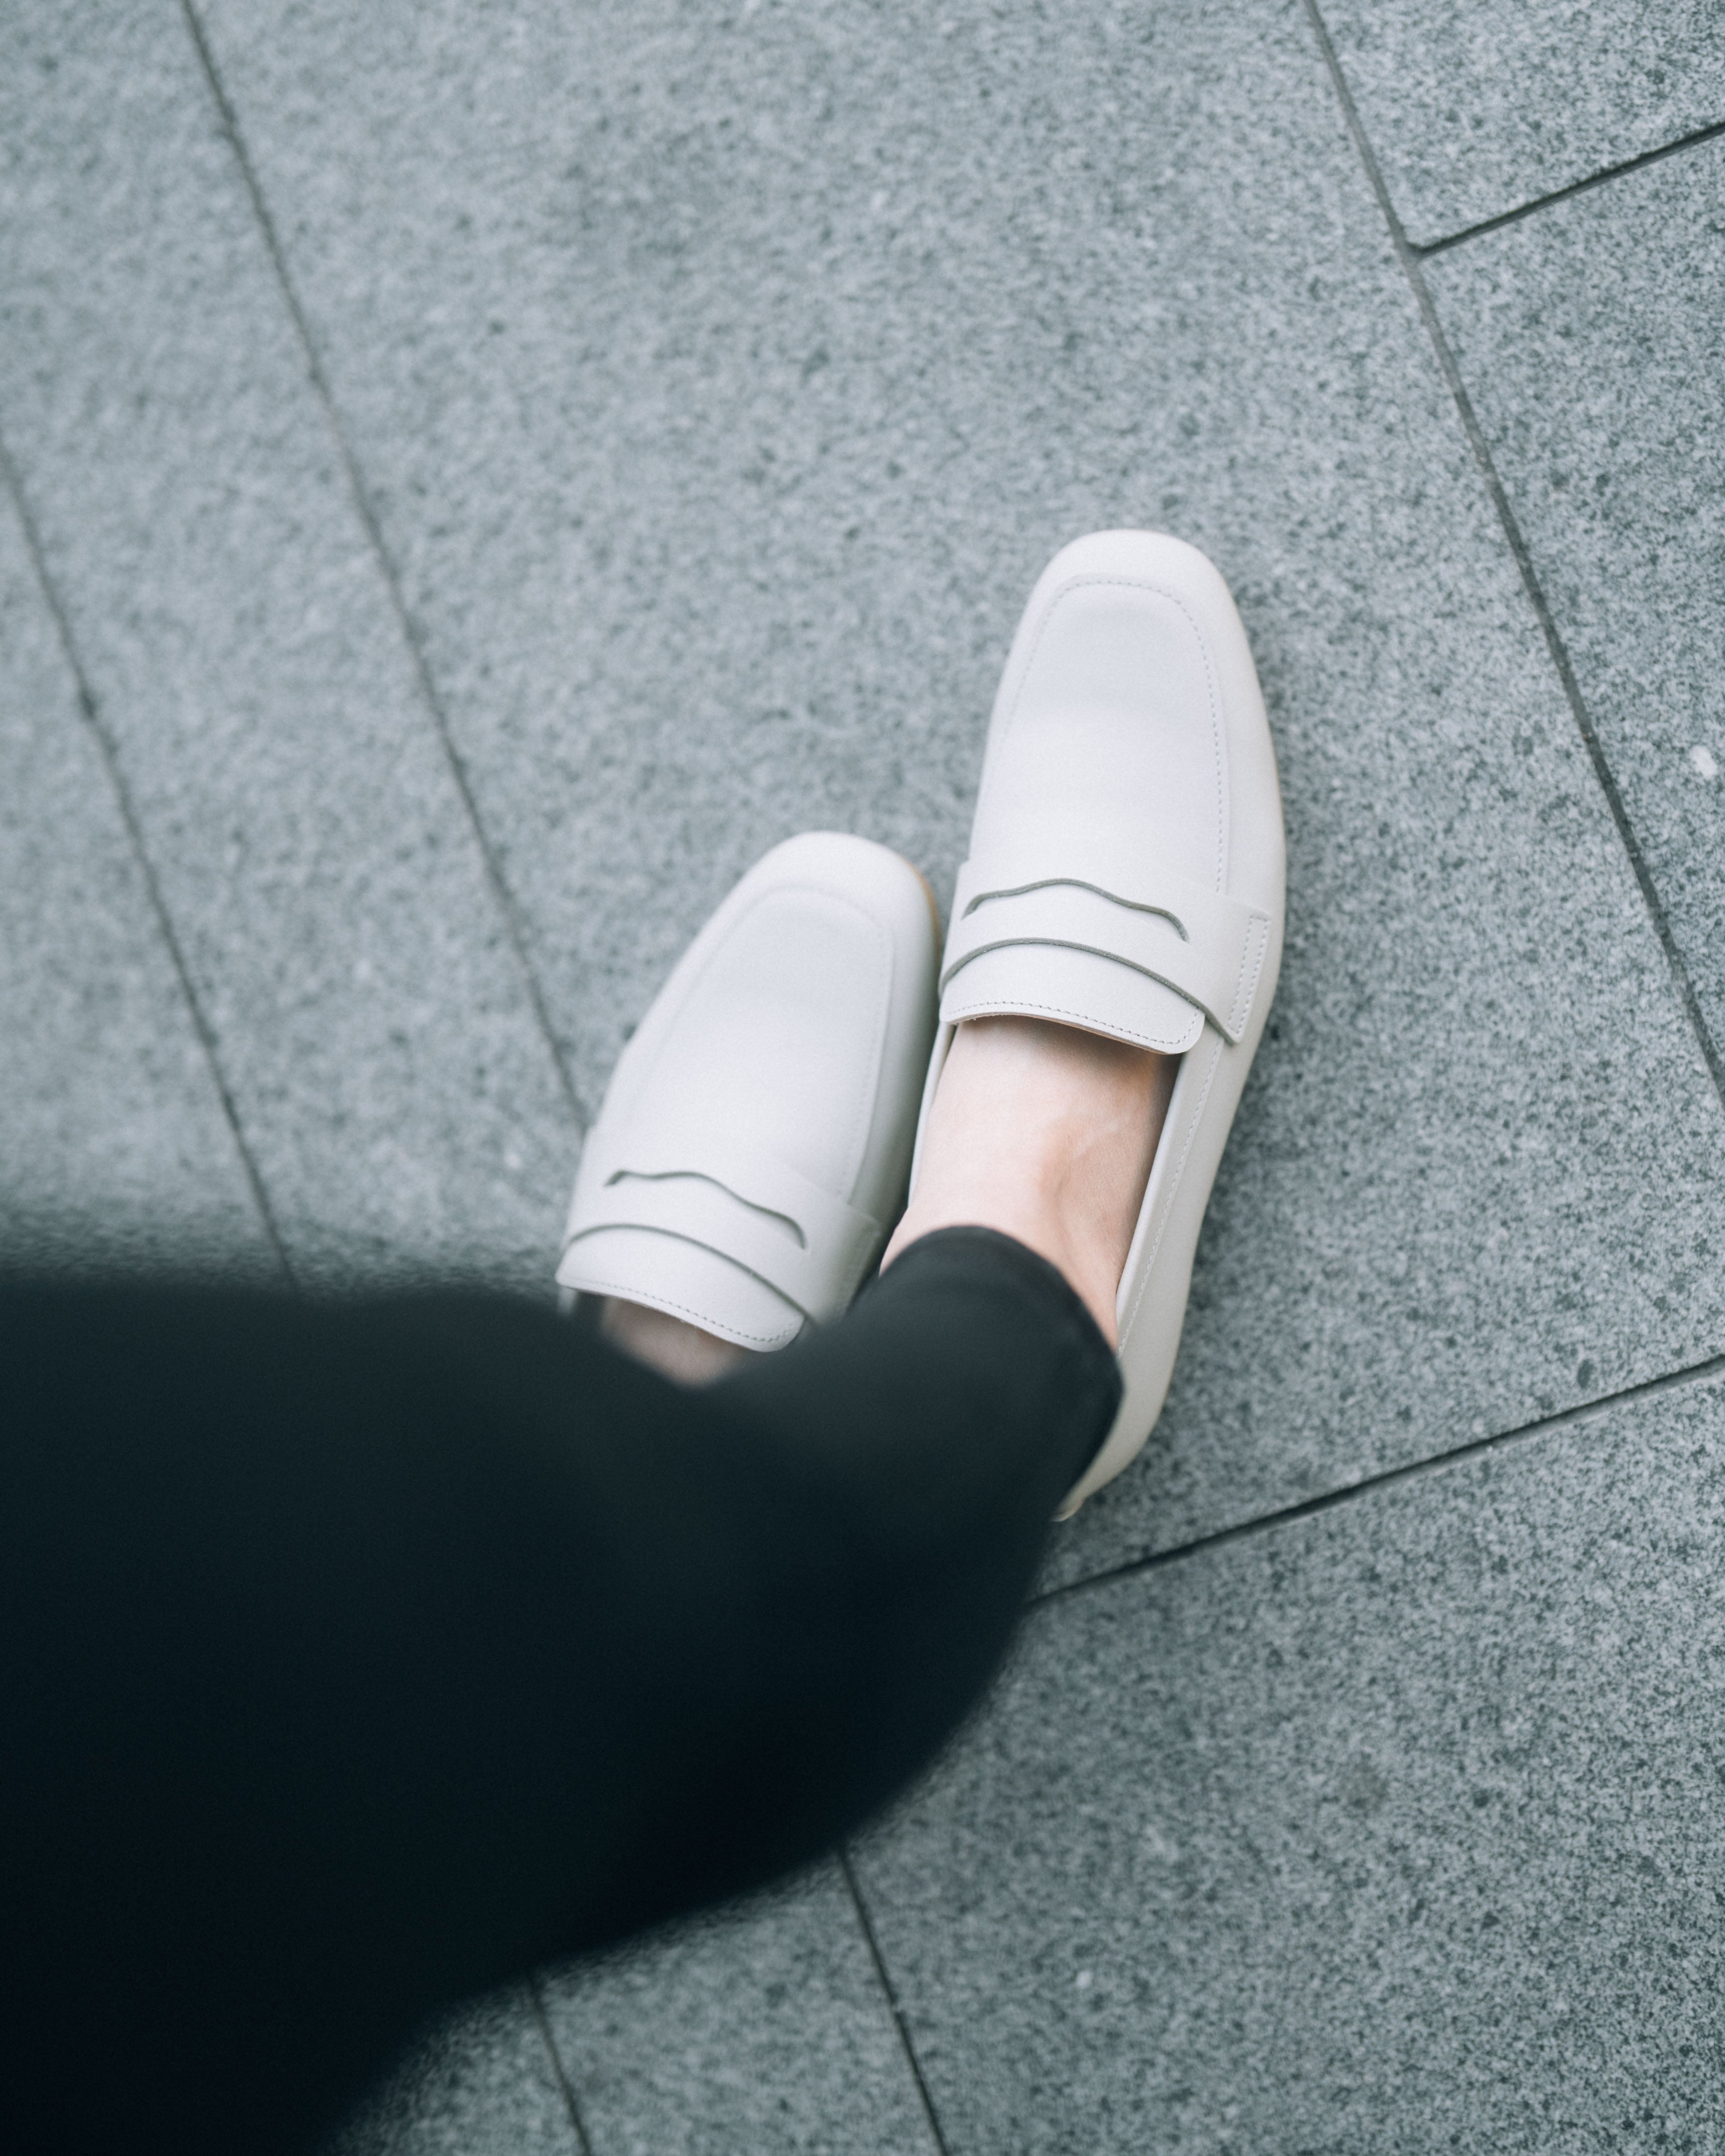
353	1658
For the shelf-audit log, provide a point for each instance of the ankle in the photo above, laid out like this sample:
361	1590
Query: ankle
1046	1134
677	1349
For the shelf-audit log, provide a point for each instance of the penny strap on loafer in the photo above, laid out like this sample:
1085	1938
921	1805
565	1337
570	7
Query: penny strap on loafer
1204	945
745	1204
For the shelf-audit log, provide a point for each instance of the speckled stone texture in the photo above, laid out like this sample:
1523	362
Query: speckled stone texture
764	2029
1473	109
114	1149
1395	1827
1593	343
372	1021
481	2083
722	381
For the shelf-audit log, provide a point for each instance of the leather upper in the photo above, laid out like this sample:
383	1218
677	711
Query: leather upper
754	1144
1098	888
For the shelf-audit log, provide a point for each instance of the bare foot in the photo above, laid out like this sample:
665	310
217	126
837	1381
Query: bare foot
670	1345
1047	1134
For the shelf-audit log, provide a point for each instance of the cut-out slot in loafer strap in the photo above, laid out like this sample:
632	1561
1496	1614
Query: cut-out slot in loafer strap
1205	946
745	1204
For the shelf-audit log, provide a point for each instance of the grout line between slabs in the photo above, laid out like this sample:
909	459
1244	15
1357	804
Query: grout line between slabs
1408	257
108	749
866	1925
1690	141
1437	1463
513	925
565	2087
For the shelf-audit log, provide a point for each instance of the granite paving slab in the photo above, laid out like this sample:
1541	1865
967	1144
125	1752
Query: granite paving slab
114	1148
762	2030
1592	344
1396	1827
371	1016
481	2082
1474	110
721	380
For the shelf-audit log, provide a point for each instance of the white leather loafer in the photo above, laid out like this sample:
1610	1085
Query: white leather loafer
1126	876
754	1146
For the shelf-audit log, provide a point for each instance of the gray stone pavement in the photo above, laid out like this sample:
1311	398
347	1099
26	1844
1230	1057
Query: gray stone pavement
478	476
1474	110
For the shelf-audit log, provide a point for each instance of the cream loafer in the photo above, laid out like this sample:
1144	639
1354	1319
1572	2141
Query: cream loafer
1126	876
754	1146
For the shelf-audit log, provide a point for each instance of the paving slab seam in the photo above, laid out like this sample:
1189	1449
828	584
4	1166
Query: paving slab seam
229	123
1410	260
889	1992
566	2088
1437	1463
108	750
1692	141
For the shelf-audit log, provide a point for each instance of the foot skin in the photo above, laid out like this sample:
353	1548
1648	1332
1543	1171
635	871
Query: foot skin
670	1345
1047	1134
